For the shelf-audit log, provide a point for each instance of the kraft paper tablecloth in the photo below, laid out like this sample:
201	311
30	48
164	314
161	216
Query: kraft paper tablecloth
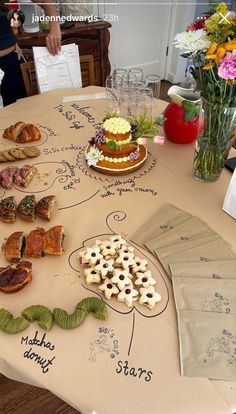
90	206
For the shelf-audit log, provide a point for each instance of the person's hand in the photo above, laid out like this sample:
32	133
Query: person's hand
53	40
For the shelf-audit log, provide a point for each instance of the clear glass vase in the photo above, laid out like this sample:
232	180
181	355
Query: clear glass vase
216	133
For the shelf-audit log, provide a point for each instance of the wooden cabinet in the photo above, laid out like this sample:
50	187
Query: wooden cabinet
92	39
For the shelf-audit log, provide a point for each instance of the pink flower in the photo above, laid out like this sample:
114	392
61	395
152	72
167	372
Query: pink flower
159	139
227	68
116	111
142	140
197	24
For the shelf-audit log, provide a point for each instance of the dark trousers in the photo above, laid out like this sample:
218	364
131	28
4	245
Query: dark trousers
12	87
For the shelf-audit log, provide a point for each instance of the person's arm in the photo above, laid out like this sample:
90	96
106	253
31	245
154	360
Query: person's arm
53	40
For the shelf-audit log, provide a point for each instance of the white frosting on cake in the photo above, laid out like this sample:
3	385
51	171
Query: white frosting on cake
125	141
115	160
117	126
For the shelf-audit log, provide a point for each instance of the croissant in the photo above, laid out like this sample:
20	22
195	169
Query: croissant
29	133
13	131
21	132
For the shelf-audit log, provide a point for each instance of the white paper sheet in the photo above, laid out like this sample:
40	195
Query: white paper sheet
230	199
59	71
87	97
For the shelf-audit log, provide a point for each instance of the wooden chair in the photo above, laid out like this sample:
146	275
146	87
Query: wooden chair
30	81
29	77
87	70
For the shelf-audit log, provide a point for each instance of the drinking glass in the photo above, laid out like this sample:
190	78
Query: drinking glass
137	72
127	101
113	88
154	82
119	72
144	102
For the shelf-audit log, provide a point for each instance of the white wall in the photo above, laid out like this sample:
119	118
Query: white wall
181	16
139	38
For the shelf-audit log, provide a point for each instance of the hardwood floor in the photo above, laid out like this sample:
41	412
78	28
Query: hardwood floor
19	398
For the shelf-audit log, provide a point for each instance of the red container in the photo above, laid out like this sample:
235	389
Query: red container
176	128
184	105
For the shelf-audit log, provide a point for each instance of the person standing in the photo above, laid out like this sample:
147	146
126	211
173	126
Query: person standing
12	86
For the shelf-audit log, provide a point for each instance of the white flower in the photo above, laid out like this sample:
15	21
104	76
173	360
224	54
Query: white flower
192	42
93	156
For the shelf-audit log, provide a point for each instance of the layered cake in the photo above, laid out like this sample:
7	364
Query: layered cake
113	150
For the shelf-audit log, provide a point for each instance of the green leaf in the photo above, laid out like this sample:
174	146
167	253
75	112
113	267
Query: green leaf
189	115
111	144
186	55
159	120
187	105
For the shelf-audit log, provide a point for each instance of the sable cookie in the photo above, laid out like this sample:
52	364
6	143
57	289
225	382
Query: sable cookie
121	278
108	288
128	295
144	279
104	267
125	260
92	276
17	153
8	157
149	297
31	152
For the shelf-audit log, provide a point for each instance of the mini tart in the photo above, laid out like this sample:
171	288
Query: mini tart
119	152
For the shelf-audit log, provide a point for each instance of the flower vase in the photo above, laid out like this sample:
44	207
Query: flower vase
214	140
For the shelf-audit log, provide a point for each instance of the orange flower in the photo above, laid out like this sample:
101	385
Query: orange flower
231	45
210	57
212	49
208	66
220	54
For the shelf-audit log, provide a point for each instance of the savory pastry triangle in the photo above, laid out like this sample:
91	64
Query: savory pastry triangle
14	246
53	241
45	207
34	243
26	208
8	209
